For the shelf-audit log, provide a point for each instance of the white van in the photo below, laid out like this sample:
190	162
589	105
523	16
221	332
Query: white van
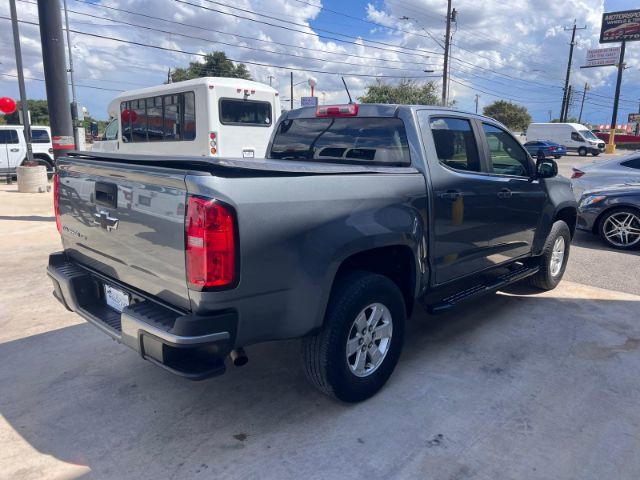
575	137
208	116
13	147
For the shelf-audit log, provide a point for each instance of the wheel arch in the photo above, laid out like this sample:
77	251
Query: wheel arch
396	261
568	215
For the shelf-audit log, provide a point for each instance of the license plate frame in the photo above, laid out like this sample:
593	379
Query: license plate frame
116	298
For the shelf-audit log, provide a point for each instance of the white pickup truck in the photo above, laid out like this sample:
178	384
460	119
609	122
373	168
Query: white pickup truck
13	147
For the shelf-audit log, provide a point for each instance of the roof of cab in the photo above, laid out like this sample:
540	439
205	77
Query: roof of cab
387	110
168	88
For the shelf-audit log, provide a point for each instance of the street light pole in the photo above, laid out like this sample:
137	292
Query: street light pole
24	107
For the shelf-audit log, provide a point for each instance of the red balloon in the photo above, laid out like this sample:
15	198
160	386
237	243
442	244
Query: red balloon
129	115
7	105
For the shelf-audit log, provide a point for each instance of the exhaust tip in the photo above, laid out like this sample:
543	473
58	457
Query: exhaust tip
238	357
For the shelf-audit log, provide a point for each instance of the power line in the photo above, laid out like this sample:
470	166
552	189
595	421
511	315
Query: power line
77	84
253	39
250	62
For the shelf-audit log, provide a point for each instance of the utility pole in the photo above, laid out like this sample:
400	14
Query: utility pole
271	77
568	103
611	146
74	100
584	94
566	81
24	106
168	76
638	122
446	55
477	97
55	76
550	115
291	99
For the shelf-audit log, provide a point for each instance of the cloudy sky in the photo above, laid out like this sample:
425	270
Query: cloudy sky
515	50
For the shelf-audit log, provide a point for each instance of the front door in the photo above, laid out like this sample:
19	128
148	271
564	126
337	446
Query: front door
11	154
516	198
461	198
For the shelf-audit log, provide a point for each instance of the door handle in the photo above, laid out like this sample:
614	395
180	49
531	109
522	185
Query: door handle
14	150
450	195
505	193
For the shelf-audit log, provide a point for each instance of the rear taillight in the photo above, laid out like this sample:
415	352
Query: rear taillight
213	142
350	110
577	173
210	230
56	201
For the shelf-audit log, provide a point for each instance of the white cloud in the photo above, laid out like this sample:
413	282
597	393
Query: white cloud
516	50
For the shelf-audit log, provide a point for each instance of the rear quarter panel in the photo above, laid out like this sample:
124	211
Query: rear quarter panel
294	233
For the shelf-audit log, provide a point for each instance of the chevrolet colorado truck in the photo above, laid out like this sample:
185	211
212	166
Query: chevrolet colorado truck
357	213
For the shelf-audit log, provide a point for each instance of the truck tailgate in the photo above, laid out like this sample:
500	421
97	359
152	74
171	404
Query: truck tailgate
127	222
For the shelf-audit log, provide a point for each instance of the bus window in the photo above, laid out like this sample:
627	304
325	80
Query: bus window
245	112
189	116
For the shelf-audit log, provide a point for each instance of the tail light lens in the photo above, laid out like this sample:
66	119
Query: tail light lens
210	230
56	201
577	173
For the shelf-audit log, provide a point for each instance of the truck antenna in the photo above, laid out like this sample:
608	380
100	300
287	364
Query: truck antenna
347	89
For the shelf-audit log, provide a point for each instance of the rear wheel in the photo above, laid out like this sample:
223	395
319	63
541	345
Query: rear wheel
553	260
595	153
582	152
620	228
357	349
541	156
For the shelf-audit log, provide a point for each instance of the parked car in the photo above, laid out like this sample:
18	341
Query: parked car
624	169
13	147
613	212
357	213
574	137
207	116
543	149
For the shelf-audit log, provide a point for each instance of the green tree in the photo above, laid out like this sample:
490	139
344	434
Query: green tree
515	117
215	64
407	92
39	113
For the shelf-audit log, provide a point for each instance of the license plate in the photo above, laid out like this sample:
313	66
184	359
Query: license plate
116	298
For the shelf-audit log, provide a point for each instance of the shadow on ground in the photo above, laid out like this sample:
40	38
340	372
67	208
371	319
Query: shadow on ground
507	387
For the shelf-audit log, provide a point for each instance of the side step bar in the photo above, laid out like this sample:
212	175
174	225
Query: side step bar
481	289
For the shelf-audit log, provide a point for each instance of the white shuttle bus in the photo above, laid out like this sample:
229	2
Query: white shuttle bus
208	116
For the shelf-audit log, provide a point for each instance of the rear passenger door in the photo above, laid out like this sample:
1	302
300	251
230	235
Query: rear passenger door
462	200
515	198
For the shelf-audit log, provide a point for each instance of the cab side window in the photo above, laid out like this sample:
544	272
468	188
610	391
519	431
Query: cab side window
508	157
455	143
575	136
9	136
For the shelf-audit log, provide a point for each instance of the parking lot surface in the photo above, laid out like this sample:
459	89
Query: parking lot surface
516	385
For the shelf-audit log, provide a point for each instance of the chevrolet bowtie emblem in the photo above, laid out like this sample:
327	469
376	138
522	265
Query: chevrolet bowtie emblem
103	219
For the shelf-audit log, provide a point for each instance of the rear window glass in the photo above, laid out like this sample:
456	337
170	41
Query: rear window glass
342	140
633	163
245	112
40	136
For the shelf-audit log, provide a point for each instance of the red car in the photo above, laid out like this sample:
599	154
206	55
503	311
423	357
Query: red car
621	30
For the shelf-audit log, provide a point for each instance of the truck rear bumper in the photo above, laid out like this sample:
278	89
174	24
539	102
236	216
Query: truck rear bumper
191	346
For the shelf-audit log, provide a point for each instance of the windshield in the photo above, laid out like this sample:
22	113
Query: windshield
342	140
588	134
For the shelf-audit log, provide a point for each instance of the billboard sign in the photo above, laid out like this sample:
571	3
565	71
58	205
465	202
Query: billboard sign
634	117
602	57
309	101
619	26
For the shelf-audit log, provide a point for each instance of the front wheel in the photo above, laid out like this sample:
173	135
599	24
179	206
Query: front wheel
595	153
582	152
557	157
553	260
620	228
357	349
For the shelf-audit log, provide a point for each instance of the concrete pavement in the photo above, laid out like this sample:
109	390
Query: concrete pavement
517	385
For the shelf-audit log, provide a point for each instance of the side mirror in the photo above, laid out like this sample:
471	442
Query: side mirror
546	168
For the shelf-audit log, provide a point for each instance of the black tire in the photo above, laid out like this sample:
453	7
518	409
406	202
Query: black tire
325	353
544	279
595	153
582	152
557	157
602	222
541	156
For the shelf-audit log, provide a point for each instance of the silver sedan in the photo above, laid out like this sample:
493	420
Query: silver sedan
619	170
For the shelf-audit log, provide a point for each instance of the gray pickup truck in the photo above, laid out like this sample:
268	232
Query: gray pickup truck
357	213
